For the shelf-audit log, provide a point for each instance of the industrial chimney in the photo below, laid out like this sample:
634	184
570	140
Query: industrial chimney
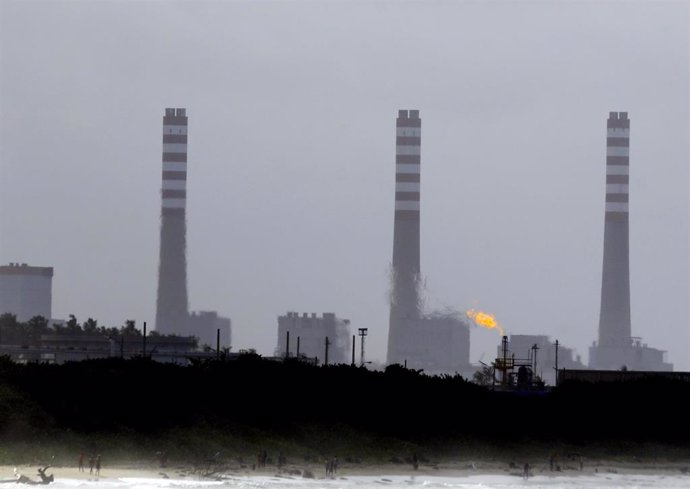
617	348
172	309
614	318
405	301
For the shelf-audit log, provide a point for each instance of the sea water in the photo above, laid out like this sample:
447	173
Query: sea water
592	481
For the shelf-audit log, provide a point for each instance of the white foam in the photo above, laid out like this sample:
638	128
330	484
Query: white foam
600	480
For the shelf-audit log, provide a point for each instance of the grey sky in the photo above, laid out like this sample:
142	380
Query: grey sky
292	110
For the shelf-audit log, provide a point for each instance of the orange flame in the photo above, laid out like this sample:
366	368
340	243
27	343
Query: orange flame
484	320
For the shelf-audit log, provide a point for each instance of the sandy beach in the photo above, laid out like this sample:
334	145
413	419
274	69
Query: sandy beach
317	471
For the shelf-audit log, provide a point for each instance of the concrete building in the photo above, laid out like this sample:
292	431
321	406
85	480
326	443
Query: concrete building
312	332
205	325
616	346
522	346
61	348
172	315
26	291
437	344
599	376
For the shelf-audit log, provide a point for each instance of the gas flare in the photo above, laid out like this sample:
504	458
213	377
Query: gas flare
484	320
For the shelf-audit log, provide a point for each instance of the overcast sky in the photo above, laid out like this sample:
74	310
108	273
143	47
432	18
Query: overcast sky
292	109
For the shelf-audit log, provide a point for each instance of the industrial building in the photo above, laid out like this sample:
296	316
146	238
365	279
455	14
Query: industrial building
26	291
616	347
435	344
598	376
61	348
206	325
312	336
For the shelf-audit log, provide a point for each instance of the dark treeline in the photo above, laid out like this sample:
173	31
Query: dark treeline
146	399
28	333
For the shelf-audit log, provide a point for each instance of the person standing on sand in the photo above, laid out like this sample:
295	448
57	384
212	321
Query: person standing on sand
525	471
91	462
98	465
81	461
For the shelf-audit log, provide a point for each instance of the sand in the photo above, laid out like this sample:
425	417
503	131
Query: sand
450	468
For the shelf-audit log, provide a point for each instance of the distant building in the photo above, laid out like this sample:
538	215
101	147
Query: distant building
26	291
634	356
521	346
205	325
616	347
597	376
311	331
436	344
60	348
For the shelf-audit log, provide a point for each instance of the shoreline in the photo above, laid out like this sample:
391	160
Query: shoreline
383	471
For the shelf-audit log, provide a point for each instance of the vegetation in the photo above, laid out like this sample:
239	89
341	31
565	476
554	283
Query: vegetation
252	402
13	332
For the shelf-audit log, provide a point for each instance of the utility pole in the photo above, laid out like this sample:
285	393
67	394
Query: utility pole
144	340
326	355
353	350
504	369
218	344
287	345
297	355
556	382
362	333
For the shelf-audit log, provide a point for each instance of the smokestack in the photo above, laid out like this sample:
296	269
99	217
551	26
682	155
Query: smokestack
614	319
405	273
171	307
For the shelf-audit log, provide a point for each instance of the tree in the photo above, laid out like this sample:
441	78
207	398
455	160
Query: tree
34	328
484	376
72	324
90	326
130	328
8	325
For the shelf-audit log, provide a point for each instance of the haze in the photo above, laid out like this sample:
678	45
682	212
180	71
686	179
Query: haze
292	110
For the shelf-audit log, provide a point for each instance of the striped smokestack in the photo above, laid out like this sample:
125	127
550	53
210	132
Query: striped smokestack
171	308
406	269
614	319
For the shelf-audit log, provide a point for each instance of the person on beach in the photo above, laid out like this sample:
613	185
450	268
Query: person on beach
91	462
81	461
415	461
45	479
98	465
525	471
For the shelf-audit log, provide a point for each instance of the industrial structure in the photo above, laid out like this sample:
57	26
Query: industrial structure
434	343
544	355
616	347
172	305
26	291
172	315
325	338
61	348
210	329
